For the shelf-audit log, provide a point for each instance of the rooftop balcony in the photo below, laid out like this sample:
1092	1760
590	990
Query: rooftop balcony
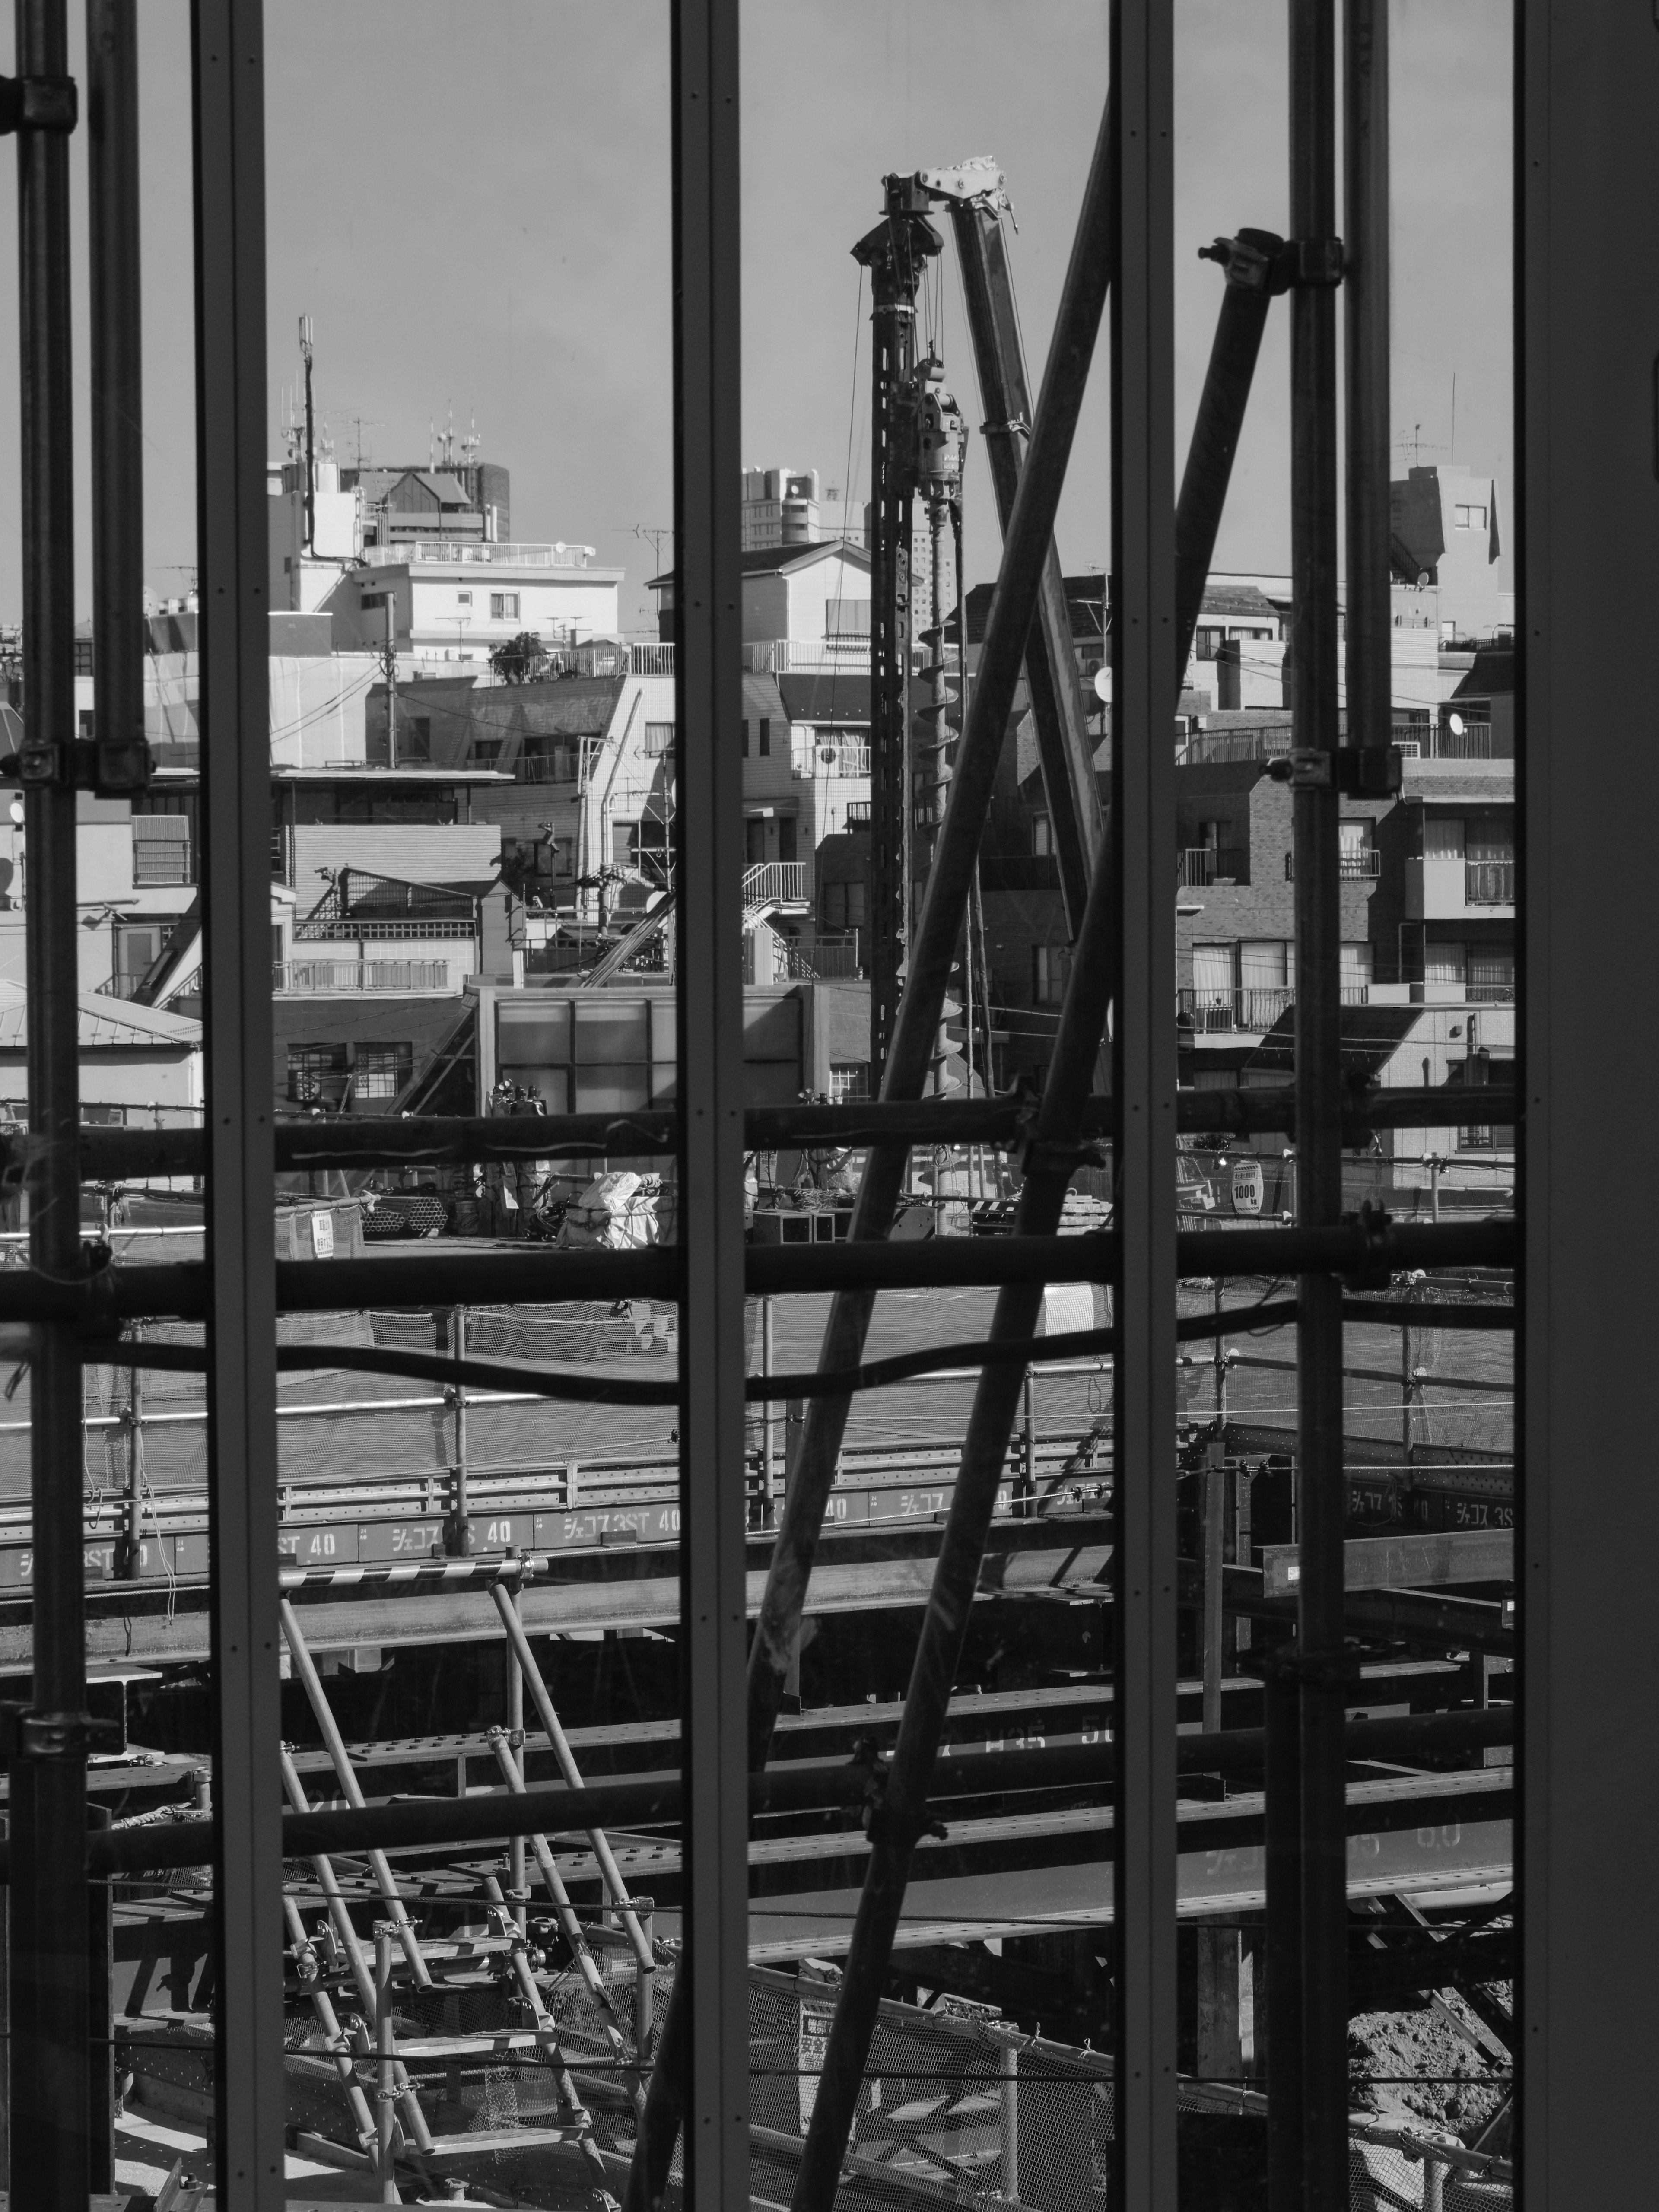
316	978
476	553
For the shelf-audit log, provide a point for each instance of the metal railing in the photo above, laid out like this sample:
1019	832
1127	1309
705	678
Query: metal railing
452	928
822	959
1211	864
1489	883
651	661
476	552
298	976
557	767
782	883
829	756
1359	865
812	656
1251	1009
858	813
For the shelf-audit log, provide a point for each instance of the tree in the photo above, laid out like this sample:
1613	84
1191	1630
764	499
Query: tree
521	659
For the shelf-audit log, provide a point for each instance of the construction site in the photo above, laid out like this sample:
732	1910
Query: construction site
637	1627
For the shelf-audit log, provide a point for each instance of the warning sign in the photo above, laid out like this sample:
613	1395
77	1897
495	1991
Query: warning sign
816	2019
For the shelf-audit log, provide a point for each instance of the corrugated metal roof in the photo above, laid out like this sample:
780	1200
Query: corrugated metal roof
103	1021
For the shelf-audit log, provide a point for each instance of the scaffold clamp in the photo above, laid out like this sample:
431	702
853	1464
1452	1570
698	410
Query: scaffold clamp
37	103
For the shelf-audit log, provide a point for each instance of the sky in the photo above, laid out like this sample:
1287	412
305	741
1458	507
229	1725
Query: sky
470	199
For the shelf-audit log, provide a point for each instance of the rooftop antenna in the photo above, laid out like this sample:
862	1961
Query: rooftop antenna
306	354
431	445
1452	454
471	443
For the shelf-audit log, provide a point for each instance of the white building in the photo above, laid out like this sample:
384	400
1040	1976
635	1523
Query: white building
449	602
779	507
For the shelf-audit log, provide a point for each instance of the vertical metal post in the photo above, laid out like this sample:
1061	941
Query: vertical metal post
1214	1480
517	1871
458	1533
1368	627
1219	1290
118	422
712	2061
769	1409
1009	2055
1586	173
1318	1094
385	2089
227	68
51	2155
129	1544
1145	677
1282	1936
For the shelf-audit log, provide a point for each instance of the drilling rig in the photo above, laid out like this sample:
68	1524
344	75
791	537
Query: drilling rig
918	440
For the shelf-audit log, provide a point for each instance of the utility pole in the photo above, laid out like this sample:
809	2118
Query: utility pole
389	663
306	352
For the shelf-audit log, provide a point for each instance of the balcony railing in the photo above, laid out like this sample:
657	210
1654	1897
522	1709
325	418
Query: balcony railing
412	927
1211	864
830	756
476	553
1252	1009
1359	865
1489	883
857	814
776	882
328	976
810	656
822	959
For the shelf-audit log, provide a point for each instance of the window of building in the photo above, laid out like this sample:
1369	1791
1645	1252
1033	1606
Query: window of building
463	599
1050	966
1208	640
316	1074
843	906
161	850
849	1079
380	1071
659	739
754	839
765	735
504	606
1443	838
1042	836
1469	518
745	738
1355	977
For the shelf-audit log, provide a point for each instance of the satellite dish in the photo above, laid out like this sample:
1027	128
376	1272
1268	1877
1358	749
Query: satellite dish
827	755
1455	723
1103	684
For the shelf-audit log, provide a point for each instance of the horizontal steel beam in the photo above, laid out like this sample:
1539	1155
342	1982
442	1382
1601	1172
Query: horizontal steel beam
375	1140
1403	1562
651	1799
438	1277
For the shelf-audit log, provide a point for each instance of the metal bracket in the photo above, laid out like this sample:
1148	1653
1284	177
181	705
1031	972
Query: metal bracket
1357	771
1256	261
1314	262
113	767
24	1734
37	103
